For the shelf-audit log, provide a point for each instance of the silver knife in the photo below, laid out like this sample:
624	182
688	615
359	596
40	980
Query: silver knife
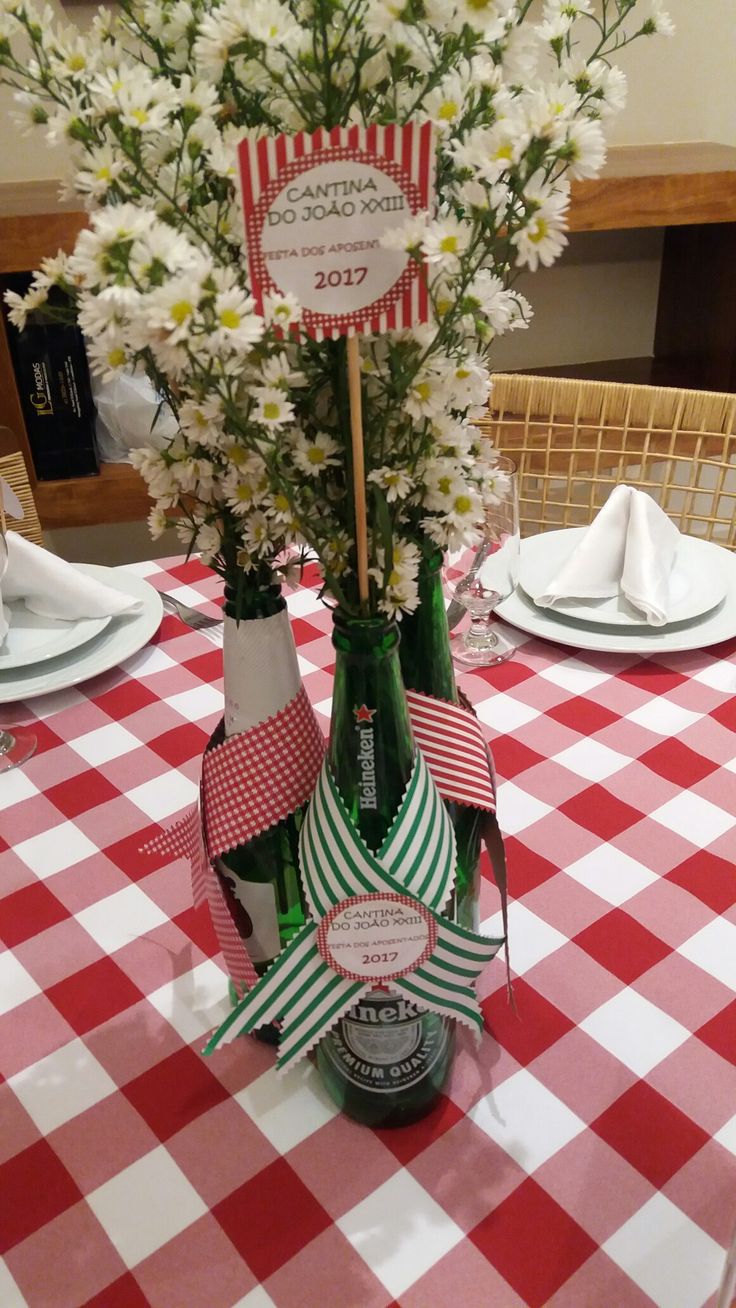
455	610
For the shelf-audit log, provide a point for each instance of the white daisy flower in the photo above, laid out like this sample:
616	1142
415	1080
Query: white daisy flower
272	407
445	241
281	310
313	456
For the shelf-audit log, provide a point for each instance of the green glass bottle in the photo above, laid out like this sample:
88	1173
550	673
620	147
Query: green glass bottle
261	877
386	1061
426	666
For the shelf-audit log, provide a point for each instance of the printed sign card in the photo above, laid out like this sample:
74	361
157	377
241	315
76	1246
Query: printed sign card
315	210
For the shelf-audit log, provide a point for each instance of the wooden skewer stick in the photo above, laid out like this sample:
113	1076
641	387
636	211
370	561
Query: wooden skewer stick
3	523
356	433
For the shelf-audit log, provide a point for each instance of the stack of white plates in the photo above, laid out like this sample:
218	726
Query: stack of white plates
40	655
702	591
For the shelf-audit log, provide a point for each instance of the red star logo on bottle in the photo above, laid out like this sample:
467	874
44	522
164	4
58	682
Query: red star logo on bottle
363	714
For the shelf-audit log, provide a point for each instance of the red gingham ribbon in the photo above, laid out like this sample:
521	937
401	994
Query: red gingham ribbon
249	782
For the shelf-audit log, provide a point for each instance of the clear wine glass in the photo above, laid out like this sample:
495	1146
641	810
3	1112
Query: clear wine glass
480	577
16	743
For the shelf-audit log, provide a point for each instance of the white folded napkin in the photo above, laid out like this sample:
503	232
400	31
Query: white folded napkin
54	588
630	546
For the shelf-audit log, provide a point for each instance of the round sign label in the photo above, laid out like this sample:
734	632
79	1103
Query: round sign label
376	937
321	236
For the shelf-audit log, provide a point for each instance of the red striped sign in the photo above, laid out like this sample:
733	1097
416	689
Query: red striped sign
315	208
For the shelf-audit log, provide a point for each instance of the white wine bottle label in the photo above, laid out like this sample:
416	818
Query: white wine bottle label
261	670
387	1044
258	900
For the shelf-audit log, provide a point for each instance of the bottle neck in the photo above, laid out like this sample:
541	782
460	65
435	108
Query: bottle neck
371	749
261	671
426	661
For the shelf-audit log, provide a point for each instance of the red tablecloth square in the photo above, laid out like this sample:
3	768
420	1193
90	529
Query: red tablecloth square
533	1242
583	715
654	678
27	912
526	869
533	1027
177	1090
710	878
720	1033
725	714
180	744
669	1142
415	1138
678	763
596	809
123	1293
93	994
622	945
512	757
271	1217
35	1187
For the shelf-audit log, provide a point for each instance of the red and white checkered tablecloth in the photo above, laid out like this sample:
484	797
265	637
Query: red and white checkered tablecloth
583	1159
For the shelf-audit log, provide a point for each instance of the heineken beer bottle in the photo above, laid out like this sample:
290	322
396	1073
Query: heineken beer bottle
426	666
261	877
386	1061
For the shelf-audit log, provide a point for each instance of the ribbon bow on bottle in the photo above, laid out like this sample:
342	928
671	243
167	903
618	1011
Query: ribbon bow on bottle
376	922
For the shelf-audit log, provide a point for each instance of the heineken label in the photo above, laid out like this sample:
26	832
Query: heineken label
367	794
376	937
387	1044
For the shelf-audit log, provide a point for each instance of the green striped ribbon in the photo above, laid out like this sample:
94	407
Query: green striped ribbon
416	861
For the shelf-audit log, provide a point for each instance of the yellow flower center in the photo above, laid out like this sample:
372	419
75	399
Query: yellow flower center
315	455
76	63
503	151
103	174
448	244
229	318
463	504
271	410
423	390
394	578
244	492
281	311
280	503
182	310
140	115
116	86
539	231
444	485
443	306
448	110
237	455
462	373
116	358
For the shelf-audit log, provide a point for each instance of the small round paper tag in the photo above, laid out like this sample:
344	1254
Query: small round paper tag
376	937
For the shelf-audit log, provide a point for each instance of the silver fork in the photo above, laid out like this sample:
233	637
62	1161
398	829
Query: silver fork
212	628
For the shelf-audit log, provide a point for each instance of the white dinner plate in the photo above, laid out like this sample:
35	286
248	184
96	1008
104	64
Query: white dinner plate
33	639
698	582
121	637
695	633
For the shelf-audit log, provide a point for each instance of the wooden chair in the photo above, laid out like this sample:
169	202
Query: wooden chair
574	441
13	469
